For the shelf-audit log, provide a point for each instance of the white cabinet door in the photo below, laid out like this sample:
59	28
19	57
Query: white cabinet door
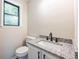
33	53
46	55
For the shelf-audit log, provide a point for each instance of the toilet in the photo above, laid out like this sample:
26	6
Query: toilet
22	52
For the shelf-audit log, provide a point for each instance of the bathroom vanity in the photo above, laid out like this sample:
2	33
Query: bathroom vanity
42	49
36	53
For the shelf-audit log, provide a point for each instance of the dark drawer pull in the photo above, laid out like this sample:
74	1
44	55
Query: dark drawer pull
38	55
44	56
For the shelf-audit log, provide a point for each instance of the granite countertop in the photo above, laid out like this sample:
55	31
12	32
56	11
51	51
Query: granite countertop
66	50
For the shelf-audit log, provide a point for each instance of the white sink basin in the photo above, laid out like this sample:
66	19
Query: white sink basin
48	44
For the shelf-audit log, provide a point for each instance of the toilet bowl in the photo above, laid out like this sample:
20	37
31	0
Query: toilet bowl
22	52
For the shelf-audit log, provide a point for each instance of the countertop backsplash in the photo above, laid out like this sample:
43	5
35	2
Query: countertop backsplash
58	39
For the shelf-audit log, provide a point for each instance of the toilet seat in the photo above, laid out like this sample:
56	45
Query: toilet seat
22	51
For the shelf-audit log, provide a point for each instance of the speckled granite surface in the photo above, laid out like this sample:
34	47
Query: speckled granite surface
66	50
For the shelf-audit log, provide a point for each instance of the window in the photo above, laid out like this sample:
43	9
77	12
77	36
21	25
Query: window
11	14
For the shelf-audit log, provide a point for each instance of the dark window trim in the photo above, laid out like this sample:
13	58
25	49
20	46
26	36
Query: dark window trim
11	14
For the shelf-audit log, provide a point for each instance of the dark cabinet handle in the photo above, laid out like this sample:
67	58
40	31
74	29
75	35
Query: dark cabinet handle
38	55
44	56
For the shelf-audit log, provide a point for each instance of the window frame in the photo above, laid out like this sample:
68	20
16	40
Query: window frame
11	14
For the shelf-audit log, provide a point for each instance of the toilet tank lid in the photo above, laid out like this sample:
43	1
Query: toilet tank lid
22	49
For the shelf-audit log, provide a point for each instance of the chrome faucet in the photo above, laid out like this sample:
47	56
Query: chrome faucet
50	37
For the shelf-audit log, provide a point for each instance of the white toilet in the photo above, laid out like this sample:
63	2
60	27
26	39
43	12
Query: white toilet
22	52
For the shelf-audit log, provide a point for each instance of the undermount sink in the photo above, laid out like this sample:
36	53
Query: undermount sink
48	44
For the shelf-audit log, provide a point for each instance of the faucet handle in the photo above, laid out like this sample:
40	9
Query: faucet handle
56	40
47	38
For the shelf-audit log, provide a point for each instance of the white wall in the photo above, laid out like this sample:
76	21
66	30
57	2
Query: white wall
56	16
12	37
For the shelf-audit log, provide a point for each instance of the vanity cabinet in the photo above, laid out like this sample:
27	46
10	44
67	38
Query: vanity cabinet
37	53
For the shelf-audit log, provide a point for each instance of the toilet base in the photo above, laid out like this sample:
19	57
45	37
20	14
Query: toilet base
24	57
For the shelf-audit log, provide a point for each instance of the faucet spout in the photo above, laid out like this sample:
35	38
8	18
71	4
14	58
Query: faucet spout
50	36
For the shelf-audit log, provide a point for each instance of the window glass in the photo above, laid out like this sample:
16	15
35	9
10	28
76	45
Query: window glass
11	14
12	20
